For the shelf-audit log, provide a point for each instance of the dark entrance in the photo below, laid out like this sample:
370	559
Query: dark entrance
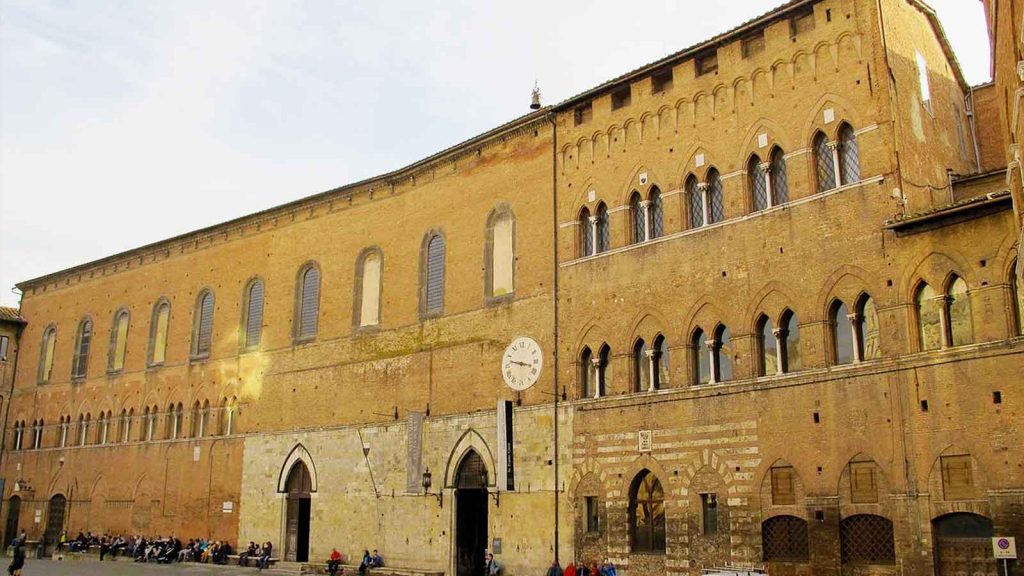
963	545
13	515
470	515
55	519
299	486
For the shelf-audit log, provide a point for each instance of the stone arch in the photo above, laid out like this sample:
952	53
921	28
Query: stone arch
632	182
297	454
935	269
847	283
844	111
703	313
470	440
649	463
647	324
849	502
769	506
706	460
591	334
979	480
778	135
587	468
772	300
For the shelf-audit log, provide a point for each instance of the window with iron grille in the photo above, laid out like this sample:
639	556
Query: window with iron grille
636	210
253	315
715	196
823	162
621	98
602	228
593	516
656	213
586	234
203	335
696	202
758	184
780	187
308	303
867	539
709	513
784	539
434	281
80	364
849	157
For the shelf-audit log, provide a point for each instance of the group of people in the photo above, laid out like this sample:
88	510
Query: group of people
142	549
606	568
261	554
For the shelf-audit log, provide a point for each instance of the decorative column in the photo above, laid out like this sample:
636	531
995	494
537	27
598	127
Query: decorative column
713	353
855	319
702	187
781	354
593	234
652	368
944	321
595	363
645	205
834	147
766	170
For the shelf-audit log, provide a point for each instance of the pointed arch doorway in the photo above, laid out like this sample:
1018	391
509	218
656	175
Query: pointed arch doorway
298	489
13	517
55	519
470	515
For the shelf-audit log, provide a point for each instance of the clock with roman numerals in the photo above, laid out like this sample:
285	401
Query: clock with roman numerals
522	363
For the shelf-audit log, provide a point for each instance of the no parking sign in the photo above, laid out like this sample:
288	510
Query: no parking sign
1004	548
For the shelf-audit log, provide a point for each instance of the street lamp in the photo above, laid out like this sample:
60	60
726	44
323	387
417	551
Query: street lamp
426	488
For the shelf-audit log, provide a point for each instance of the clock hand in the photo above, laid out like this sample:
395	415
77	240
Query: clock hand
519	363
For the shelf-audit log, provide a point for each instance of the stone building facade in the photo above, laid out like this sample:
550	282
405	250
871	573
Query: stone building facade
771	276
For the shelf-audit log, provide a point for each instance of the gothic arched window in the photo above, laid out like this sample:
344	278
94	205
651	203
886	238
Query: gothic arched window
647	514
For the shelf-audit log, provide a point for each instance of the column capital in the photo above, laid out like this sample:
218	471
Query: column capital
702	186
854	318
596	362
780	333
645	203
712	345
766	167
650	352
592	219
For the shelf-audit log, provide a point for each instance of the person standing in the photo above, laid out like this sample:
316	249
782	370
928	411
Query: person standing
491	566
19	558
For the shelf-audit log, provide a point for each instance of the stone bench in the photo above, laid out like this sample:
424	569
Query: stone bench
251	561
353	570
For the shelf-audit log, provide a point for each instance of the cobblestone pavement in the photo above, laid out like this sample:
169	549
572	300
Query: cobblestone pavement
93	568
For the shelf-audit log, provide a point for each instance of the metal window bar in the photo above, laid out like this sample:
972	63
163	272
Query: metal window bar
784	539
657	214
780	187
758	184
435	274
823	162
849	156
309	306
867	539
716	197
696	203
254	316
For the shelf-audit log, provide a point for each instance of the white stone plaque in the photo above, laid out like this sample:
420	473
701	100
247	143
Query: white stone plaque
228	507
699	160
592	195
830	115
645	439
762	140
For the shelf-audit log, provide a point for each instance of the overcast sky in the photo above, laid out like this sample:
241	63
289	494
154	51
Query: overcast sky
123	123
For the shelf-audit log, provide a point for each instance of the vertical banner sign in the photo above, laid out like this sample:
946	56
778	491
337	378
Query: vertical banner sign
506	461
414	459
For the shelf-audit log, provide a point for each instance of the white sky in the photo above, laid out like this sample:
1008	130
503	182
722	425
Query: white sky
123	123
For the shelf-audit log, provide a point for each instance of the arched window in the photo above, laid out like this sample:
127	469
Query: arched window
500	253
196	417
103	429
432	301
602	228
229	416
716	198
65	428
784	539
202	330
158	332
721	355
849	157
867	539
768	347
867	329
369	270
758	180
149	429
779	184
587	373
124	429
252	307
586	237
638	216
656	213
83	428
701	357
1016	301
16	440
118	341
641	367
824	163
695	200
46	354
37	439
647	514
307	303
660	373
842	333
83	342
958	310
789	342
929	317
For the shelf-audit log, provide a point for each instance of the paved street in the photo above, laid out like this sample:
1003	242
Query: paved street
90	568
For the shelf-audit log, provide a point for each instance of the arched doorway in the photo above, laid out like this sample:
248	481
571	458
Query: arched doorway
55	519
963	545
298	487
13	516
470	515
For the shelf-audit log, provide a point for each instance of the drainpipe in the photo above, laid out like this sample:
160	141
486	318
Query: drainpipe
969	104
554	228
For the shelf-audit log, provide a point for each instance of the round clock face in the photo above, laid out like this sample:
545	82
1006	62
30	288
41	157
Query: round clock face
522	363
